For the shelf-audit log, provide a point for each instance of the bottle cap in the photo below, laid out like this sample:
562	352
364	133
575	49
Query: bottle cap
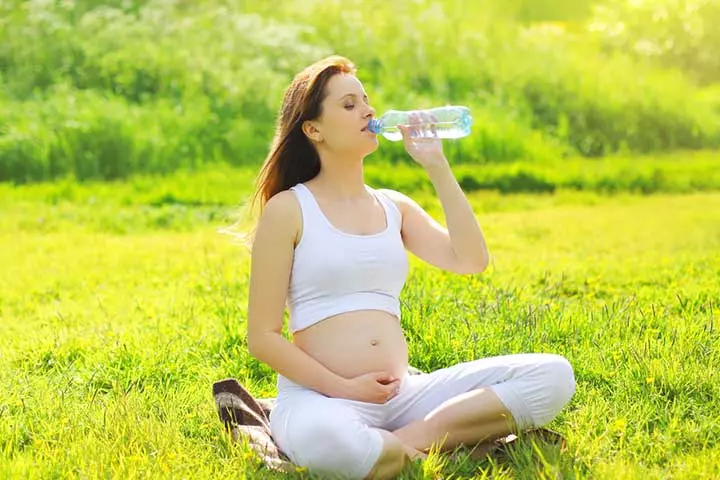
374	125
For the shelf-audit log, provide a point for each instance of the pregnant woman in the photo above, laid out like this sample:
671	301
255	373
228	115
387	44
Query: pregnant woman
333	250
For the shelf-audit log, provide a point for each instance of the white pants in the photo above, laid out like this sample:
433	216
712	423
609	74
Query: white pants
340	438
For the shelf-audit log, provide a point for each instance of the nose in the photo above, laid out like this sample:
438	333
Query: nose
370	112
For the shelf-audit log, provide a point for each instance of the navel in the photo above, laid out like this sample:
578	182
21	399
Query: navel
374	342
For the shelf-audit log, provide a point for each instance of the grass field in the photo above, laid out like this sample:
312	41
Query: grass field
120	304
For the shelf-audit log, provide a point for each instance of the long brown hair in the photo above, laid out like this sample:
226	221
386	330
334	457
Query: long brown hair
292	157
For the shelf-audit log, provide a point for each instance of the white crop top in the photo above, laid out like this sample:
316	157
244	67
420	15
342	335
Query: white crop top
335	272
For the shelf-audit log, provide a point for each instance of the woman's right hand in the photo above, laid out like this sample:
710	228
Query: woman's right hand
373	387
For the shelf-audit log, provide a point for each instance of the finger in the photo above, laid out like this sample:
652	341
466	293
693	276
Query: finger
392	388
432	119
430	127
403	129
406	133
422	130
415	120
394	392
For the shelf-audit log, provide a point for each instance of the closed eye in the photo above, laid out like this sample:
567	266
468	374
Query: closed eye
349	107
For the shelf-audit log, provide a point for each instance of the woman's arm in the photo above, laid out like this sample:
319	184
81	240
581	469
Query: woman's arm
466	237
272	257
461	247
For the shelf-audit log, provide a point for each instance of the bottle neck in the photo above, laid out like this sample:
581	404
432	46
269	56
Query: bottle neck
375	125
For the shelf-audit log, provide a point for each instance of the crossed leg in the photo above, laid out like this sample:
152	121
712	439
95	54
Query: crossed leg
482	400
467	403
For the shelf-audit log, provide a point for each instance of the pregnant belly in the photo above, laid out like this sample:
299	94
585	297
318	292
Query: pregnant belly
355	343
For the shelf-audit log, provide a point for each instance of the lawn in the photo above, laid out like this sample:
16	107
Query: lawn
117	312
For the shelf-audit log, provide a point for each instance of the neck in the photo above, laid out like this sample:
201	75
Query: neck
340	177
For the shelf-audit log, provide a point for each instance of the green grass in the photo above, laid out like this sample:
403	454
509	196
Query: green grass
120	304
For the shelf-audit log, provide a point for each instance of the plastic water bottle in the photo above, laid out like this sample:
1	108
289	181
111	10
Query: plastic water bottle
442	122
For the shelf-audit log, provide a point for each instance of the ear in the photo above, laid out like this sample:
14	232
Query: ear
310	130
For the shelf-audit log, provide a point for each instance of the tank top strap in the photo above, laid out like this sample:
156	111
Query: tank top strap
311	213
393	212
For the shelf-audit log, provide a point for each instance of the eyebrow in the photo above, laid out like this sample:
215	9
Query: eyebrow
352	95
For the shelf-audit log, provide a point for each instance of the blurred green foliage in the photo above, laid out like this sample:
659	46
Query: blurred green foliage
103	90
683	34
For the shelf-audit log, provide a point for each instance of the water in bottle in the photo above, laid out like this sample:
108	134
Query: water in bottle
443	122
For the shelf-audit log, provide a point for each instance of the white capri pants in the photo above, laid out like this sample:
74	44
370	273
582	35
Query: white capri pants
340	438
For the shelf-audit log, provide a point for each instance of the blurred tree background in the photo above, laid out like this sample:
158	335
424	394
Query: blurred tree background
102	90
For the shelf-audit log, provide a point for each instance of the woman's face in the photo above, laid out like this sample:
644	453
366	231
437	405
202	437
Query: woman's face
342	126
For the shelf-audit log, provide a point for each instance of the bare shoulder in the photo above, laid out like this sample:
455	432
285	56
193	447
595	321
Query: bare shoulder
281	217
282	204
403	202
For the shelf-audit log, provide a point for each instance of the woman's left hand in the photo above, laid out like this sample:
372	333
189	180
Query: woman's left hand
427	151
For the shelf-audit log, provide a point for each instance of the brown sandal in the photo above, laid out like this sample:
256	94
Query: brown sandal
236	406
247	420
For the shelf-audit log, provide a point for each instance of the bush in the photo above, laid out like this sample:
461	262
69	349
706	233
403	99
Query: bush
105	89
682	34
